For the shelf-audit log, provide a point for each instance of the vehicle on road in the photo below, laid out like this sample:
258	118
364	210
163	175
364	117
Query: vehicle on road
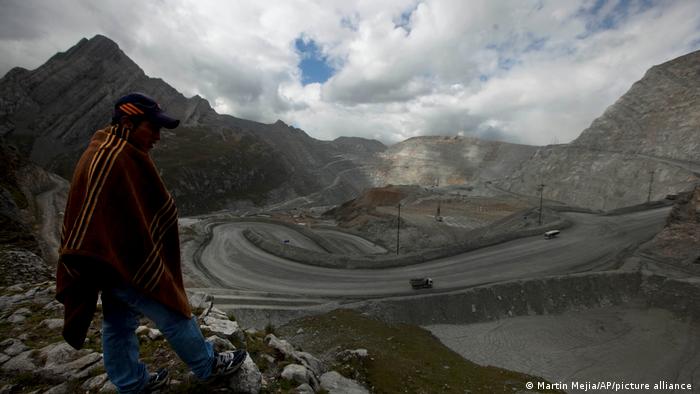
551	234
421	283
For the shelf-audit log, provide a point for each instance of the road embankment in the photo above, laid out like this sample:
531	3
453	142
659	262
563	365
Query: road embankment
542	296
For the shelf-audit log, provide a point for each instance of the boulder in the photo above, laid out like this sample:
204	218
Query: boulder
13	347
109	387
224	328
296	373
304	389
52	324
216	313
200	300
59	353
246	380
60	389
220	344
282	346
309	361
95	382
335	383
22	362
154	334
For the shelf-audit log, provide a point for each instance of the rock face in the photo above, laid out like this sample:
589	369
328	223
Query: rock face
210	162
29	229
648	137
429	161
678	244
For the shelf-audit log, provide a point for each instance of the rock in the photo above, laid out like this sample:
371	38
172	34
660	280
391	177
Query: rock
15	288
59	353
3	357
64	361
13	347
109	387
246	380
282	346
8	388
309	361
300	331
154	334
220	344
23	311
304	389
296	373
224	328
346	355
78	369
19	315
53	306
15	318
60	389
142	330
200	300
52	324
22	362
335	383
95	383
217	313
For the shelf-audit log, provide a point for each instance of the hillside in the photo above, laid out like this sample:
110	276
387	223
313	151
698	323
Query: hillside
645	145
210	162
429	161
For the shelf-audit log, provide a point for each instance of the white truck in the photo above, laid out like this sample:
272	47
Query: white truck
551	234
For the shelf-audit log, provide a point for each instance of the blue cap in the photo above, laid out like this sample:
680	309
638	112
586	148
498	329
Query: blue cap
138	104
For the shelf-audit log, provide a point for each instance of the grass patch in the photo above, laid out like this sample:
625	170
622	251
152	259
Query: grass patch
402	358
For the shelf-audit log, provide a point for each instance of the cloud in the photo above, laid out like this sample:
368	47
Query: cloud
531	72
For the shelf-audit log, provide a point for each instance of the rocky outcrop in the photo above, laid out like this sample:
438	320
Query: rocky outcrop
644	146
678	245
33	355
31	200
430	161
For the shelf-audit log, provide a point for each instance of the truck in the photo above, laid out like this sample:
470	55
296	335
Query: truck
421	283
551	234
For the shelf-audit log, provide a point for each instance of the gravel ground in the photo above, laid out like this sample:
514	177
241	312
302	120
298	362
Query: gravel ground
621	344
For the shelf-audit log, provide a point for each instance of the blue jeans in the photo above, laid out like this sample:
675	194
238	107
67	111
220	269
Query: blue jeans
122	307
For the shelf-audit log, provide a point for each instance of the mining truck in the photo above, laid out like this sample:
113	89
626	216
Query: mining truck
421	283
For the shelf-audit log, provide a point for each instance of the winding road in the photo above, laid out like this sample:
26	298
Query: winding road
228	260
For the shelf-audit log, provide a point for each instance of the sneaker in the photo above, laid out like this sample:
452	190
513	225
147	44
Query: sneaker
156	381
228	362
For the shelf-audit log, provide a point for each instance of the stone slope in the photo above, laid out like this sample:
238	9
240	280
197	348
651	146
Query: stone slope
653	128
211	162
429	161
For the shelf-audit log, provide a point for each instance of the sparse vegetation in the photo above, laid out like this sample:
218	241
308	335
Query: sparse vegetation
402	358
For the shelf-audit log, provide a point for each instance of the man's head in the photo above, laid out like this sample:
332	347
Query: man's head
144	117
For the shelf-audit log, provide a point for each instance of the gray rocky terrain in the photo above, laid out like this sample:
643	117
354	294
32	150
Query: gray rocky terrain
210	162
33	356
651	129
442	161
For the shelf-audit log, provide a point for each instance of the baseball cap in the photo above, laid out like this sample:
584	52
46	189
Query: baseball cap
138	104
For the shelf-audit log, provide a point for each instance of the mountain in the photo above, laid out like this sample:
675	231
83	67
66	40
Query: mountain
210	162
645	145
428	161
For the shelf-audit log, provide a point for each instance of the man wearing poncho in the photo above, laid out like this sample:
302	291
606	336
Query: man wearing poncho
120	238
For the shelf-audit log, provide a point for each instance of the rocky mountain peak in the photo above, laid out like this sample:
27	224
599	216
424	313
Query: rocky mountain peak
659	115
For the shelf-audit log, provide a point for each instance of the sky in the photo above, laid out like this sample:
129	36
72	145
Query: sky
535	72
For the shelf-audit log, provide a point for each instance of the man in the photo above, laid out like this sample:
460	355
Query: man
120	237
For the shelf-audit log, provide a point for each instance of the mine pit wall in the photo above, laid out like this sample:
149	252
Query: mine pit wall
552	295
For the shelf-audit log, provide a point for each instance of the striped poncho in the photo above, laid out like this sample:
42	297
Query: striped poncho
120	225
